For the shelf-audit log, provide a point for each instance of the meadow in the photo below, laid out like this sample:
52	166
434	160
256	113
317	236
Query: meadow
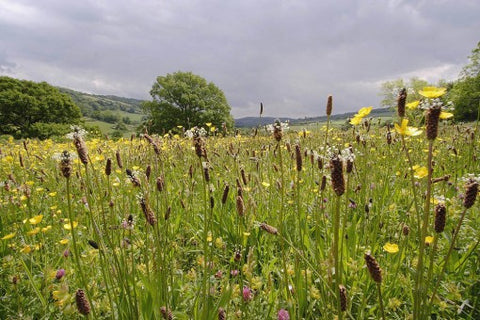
366	223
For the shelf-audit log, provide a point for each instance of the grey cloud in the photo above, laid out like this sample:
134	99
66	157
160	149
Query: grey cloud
288	54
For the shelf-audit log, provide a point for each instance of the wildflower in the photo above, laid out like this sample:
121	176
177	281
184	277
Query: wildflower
59	274
283	315
413	105
269	228
36	219
222	314
431	119
247	294
68	226
440	217
338	182
471	190
34	231
63	241
405	130
432	92
328	109
362	113
265	184
401	99
83	305
420	172
373	268
390	247
9	236
428	240
26	249
445	115
166	313
343	297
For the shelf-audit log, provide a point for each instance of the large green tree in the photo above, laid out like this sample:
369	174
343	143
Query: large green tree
30	109
185	99
465	94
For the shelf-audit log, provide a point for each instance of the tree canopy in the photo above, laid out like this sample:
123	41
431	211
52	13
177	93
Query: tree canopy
30	109
465	94
185	99
389	90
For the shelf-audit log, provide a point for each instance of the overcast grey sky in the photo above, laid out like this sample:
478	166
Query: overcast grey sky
288	54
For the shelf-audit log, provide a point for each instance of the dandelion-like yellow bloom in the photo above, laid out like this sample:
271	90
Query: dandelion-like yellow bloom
428	239
36	219
420	172
68	226
413	105
265	184
390	247
9	236
34	231
405	130
26	249
63	241
362	113
432	92
445	115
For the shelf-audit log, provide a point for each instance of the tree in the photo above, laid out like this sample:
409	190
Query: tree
390	89
185	99
30	109
465	94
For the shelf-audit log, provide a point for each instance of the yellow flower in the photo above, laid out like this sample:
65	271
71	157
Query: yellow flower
445	115
36	219
209	124
432	92
52	194
265	184
405	130
365	111
356	120
390	247
26	249
413	105
420	172
428	239
34	231
9	236
68	226
63	241
46	228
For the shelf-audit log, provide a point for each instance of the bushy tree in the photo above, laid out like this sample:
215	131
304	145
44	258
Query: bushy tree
389	90
465	94
30	109
185	99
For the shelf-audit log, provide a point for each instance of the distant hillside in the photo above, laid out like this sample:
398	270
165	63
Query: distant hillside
255	121
111	109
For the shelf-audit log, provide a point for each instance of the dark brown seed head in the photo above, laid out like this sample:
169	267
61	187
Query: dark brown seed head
147	211
277	130
440	217
160	183
83	305
206	173
336	170
66	164
343	297
269	228
93	244
225	193
119	159
471	190
81	149
405	230
199	144
324	183
222	314
329	105
373	268
244	177
108	167
148	172
389	137
432	118
168	213
349	166
240	206
261	108
401	99
298	157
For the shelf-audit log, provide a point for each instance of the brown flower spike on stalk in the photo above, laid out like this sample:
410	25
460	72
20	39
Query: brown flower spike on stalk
277	130
82	303
66	164
471	190
336	169
329	105
81	149
149	215
432	118
373	268
440	217
343	297
268	228
401	99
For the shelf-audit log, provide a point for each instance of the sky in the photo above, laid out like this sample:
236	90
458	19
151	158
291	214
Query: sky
288	54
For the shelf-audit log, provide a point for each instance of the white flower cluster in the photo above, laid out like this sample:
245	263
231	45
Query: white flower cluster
347	154
195	132
271	127
77	132
471	176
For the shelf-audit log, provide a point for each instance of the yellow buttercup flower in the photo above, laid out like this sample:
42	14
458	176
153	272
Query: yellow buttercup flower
356	120
420	172
36	219
445	115
68	226
405	130
9	236
390	247
413	105
365	111
34	231
265	184
432	92
428	239
26	249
